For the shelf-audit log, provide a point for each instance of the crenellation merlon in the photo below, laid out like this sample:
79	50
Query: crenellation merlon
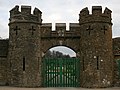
37	12
25	14
107	12
96	10
84	12
60	26
96	16
26	10
14	11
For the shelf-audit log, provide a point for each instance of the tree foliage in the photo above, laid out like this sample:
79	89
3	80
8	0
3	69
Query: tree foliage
55	54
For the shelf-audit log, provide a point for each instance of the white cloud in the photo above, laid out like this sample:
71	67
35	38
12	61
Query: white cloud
56	11
60	10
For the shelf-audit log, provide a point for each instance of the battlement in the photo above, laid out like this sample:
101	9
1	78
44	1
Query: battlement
26	10
25	14
60	26
60	30
96	10
96	16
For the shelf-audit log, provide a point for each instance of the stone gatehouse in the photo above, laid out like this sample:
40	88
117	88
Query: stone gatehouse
29	39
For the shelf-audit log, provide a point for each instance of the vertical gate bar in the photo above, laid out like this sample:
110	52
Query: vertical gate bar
46	73
73	61
42	73
50	68
70	81
79	72
51	73
44	70
69	73
60	73
55	71
43	77
63	72
71	65
72	76
75	73
66	72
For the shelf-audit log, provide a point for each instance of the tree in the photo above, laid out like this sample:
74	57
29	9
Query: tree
55	54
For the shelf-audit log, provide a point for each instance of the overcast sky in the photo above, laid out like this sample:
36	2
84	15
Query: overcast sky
58	11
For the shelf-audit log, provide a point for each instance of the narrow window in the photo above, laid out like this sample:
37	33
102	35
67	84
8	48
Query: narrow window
83	64
97	62
23	63
38	62
10	64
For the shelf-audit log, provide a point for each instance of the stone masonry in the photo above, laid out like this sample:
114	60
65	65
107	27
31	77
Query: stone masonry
29	39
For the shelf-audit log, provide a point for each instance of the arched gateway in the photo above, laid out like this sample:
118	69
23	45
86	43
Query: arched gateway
91	39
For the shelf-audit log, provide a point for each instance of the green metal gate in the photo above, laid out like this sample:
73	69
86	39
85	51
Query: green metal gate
59	72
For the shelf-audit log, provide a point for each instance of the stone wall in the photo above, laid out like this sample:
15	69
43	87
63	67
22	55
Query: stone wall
96	48
3	71
29	39
116	52
3	61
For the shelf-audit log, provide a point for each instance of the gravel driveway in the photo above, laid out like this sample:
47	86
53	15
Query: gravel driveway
17	88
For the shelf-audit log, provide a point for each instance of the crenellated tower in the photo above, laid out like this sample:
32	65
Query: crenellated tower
96	47
29	40
24	47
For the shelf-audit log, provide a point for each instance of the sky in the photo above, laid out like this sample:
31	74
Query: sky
59	11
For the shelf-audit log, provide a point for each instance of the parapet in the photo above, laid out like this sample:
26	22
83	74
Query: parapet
46	24
96	16
25	14
59	26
